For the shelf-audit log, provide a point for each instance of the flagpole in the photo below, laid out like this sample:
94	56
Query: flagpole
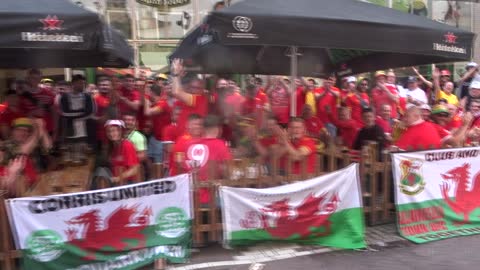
294	72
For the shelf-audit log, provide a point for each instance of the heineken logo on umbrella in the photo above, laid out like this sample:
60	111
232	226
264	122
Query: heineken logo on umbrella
450	38
448	46
51	23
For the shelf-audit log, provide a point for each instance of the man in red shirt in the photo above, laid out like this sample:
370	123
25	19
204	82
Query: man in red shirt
384	93
104	109
314	127
177	156
160	113
127	97
454	121
357	101
349	85
233	102
441	118
297	147
170	133
208	154
191	99
347	127
327	101
26	135
13	109
419	134
255	105
38	101
279	96
385	120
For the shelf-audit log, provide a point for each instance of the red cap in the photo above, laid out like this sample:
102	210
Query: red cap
445	72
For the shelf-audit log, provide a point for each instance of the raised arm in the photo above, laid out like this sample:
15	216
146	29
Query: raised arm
425	81
177	72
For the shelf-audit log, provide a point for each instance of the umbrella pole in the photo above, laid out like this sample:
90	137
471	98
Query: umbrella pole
293	74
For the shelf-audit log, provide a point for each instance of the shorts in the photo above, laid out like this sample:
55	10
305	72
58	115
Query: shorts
155	150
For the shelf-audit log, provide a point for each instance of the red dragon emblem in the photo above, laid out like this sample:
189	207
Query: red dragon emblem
466	199
119	229
313	212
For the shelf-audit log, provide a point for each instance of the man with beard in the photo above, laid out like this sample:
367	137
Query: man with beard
357	101
134	136
75	108
127	97
104	110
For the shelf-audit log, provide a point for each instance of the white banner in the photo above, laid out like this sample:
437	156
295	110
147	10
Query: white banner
326	210
78	228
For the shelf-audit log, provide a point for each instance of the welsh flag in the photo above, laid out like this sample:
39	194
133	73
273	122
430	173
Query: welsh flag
437	193
125	227
325	211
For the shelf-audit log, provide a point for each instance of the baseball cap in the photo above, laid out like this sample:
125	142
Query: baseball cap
351	79
46	80
380	73
115	123
425	107
445	72
439	109
471	64
161	76
22	122
475	84
412	79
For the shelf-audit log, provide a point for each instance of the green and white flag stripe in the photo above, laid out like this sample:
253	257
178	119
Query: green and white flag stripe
125	227
437	194
326	211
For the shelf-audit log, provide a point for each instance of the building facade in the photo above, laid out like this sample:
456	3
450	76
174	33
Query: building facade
153	27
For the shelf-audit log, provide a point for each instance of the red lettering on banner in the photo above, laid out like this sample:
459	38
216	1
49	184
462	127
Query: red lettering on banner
420	215
414	229
438	226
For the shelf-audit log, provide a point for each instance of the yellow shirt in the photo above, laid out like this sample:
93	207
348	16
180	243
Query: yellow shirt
310	100
451	98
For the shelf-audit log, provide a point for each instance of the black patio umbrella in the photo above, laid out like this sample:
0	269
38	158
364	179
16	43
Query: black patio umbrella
347	36
57	33
317	37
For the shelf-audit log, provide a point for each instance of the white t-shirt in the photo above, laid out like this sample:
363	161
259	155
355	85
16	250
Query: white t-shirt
417	94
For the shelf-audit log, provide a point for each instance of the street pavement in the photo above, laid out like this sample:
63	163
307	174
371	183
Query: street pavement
386	251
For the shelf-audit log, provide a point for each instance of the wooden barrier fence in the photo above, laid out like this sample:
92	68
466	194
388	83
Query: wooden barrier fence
375	175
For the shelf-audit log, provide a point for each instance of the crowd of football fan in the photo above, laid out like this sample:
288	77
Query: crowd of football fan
131	124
